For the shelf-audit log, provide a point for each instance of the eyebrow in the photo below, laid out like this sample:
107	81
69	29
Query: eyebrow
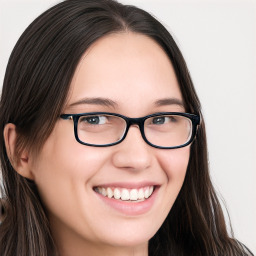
110	103
95	101
169	101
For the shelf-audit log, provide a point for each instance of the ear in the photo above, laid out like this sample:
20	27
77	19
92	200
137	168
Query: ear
22	162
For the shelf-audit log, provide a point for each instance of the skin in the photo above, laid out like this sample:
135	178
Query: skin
134	72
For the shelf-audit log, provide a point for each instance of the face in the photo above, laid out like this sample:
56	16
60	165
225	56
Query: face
128	74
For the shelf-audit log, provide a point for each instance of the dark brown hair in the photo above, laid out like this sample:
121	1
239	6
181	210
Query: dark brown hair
35	88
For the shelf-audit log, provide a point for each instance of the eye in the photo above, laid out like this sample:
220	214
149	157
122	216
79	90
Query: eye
94	120
158	120
163	120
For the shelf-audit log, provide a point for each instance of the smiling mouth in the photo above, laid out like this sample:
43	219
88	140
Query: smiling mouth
125	194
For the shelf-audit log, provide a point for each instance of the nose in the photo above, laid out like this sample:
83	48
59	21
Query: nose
133	152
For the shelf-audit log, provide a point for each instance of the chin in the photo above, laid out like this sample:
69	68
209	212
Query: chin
131	238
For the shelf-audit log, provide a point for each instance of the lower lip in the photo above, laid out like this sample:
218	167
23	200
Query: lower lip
130	208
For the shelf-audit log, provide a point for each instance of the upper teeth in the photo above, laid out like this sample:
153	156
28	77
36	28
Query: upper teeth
126	194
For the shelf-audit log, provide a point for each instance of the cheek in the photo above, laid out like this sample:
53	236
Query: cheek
64	169
64	178
63	156
175	162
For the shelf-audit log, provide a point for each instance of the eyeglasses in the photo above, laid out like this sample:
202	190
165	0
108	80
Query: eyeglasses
167	130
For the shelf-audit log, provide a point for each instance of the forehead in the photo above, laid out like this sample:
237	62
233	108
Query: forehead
126	68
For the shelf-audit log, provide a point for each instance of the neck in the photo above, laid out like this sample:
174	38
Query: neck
103	250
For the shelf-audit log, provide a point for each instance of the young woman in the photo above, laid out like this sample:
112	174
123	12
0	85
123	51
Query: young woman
103	146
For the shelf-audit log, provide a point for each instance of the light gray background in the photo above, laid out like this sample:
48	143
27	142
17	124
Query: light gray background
218	40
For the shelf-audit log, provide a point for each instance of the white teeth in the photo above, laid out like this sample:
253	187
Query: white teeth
126	194
117	193
151	188
110	192
146	193
104	192
134	194
141	193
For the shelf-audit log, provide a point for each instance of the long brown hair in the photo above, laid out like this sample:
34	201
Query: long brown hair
35	88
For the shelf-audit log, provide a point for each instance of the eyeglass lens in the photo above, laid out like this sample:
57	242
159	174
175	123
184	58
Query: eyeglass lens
163	131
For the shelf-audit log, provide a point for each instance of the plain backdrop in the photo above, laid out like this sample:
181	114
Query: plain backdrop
218	40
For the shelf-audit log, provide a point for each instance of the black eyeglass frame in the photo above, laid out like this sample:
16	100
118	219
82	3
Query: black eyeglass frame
195	119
